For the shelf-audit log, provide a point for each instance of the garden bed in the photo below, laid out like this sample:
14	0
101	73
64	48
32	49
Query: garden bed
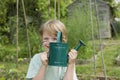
92	77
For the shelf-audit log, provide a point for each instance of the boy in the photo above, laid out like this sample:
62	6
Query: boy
39	68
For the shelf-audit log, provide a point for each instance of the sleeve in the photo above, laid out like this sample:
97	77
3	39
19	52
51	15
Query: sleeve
34	66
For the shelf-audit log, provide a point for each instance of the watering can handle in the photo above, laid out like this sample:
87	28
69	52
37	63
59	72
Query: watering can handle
59	36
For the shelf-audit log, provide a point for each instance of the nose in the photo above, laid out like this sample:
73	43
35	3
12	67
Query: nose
48	41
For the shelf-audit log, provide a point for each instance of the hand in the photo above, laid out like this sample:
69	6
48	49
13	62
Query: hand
72	56
44	58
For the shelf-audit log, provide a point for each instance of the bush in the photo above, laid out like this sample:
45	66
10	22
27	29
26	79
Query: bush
7	53
11	74
79	27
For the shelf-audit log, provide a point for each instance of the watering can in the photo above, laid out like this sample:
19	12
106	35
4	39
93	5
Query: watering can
58	52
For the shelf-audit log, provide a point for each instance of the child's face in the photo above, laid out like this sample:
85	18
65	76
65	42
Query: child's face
47	38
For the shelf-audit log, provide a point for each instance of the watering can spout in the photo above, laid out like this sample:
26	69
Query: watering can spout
81	43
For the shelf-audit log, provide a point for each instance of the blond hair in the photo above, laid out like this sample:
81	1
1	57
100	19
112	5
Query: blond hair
53	27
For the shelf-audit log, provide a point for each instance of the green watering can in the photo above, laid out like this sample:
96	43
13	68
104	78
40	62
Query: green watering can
58	53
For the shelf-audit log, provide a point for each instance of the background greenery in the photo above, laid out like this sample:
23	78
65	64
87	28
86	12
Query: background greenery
37	13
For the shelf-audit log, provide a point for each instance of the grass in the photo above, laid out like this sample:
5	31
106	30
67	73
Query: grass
21	66
9	71
110	52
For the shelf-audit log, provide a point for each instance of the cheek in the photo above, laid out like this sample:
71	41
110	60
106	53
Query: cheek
45	45
46	48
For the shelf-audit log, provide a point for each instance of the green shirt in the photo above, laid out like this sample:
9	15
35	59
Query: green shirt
52	72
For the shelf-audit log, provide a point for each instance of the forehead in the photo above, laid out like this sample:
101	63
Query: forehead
48	34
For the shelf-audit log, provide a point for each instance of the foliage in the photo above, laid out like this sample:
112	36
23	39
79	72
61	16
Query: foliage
3	27
44	6
11	73
109	52
79	26
114	8
6	53
3	11
8	17
36	11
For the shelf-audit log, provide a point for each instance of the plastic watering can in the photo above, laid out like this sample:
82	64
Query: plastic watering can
58	53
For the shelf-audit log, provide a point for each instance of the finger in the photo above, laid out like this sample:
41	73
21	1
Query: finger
45	57
73	50
71	55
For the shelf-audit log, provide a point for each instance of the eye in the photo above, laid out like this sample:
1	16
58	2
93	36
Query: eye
45	39
54	38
